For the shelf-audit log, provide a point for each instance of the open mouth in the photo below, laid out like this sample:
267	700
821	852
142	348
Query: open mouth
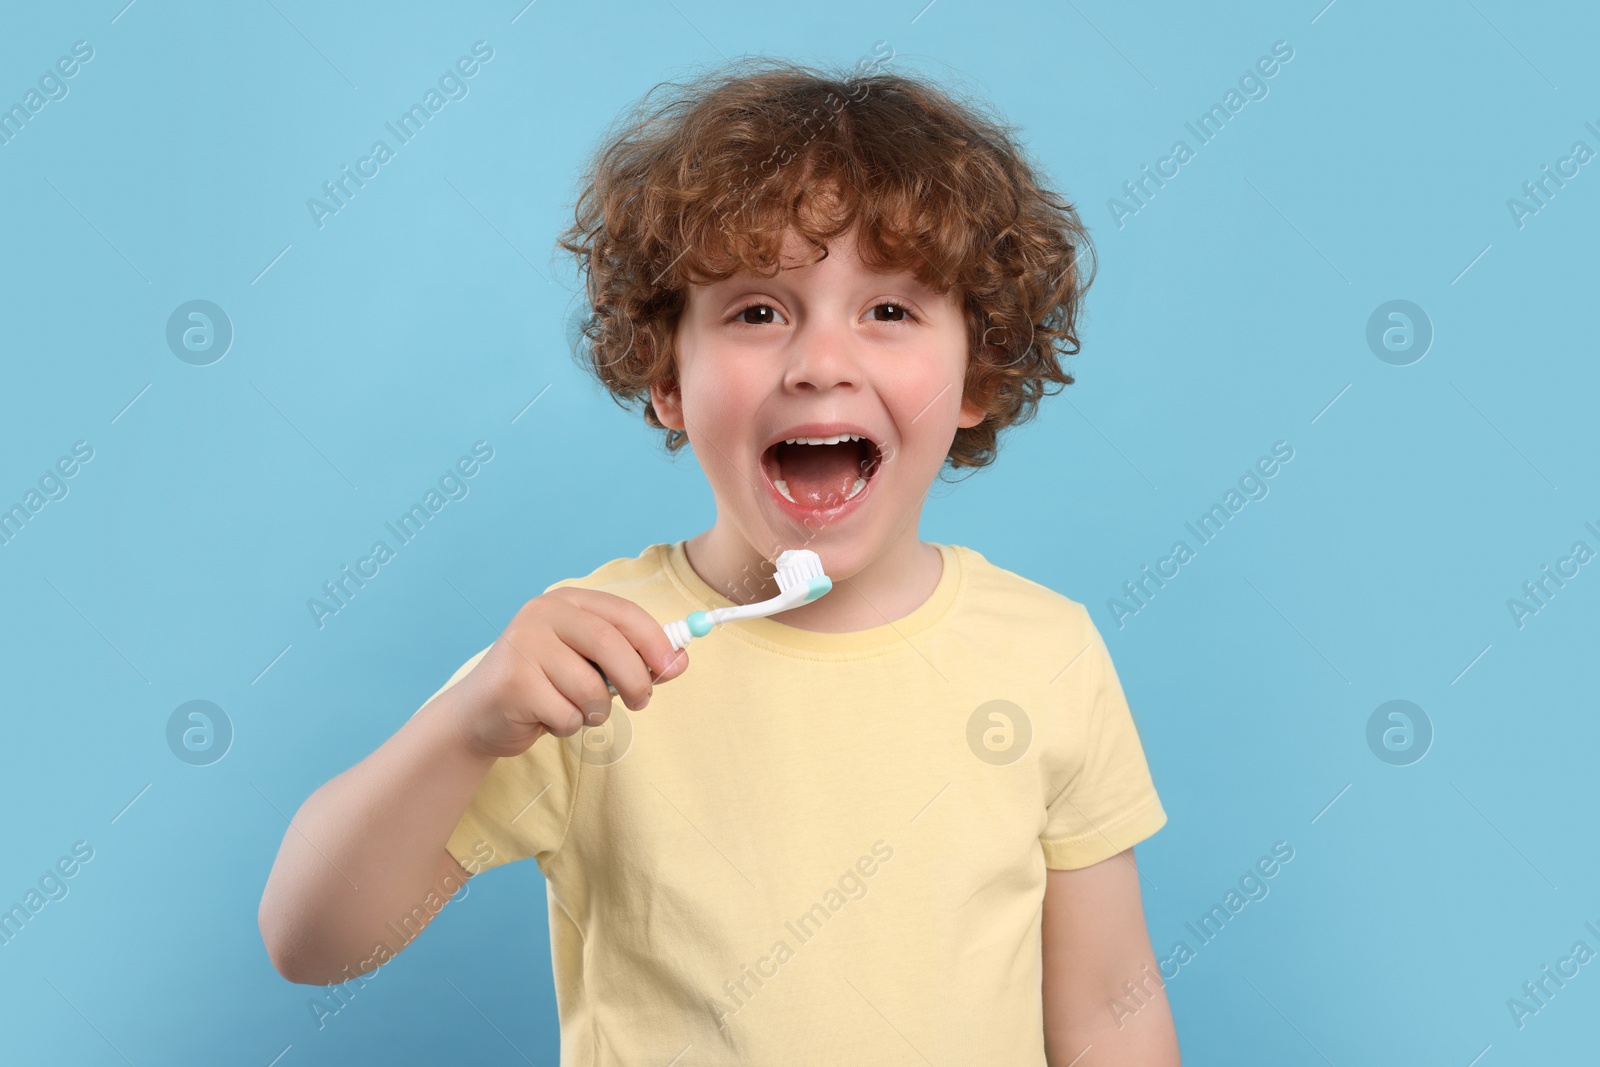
821	473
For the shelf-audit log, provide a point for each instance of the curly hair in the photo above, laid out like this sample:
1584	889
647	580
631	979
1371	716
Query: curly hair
706	182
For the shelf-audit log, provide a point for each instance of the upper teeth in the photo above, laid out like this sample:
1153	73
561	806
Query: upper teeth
838	439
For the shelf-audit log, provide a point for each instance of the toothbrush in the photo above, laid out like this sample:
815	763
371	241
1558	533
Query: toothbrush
800	581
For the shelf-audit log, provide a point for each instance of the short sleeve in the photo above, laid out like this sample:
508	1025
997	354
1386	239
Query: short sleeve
1106	802
523	807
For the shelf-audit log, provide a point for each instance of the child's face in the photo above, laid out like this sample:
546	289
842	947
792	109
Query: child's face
816	352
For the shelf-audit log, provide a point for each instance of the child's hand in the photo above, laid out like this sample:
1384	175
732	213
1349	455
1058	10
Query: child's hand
536	679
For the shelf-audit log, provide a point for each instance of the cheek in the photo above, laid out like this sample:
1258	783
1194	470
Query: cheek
926	429
926	398
719	394
721	406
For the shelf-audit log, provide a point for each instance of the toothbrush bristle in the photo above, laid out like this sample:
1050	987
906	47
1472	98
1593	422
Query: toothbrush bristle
796	567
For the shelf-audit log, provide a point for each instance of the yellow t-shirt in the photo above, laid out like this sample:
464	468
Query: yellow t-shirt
823	848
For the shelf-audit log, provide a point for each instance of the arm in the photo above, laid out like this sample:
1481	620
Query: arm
367	848
366	852
1097	955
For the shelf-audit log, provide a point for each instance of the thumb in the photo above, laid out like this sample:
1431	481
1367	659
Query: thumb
677	663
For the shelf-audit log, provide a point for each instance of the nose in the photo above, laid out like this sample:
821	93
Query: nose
822	356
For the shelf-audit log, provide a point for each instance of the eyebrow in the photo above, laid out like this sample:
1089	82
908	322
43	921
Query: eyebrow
906	279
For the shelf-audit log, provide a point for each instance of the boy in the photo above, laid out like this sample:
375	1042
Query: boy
891	826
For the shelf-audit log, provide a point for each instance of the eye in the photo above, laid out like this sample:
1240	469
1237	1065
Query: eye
765	315
899	312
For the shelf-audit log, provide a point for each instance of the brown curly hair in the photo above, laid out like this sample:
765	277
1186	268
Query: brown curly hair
705	184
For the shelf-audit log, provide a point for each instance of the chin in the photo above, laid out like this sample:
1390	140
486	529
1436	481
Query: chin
844	554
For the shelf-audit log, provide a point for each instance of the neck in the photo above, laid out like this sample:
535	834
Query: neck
889	586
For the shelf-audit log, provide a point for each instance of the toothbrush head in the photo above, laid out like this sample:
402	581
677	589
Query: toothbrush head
801	568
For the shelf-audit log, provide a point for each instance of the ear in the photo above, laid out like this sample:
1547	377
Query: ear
667	400
971	414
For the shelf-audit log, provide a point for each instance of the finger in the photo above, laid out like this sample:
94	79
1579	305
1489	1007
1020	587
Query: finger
611	658
572	669
676	666
603	677
636	624
551	710
679	664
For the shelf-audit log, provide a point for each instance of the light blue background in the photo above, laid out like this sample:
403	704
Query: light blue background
1229	313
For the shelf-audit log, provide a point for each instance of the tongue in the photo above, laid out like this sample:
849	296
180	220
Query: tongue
819	476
